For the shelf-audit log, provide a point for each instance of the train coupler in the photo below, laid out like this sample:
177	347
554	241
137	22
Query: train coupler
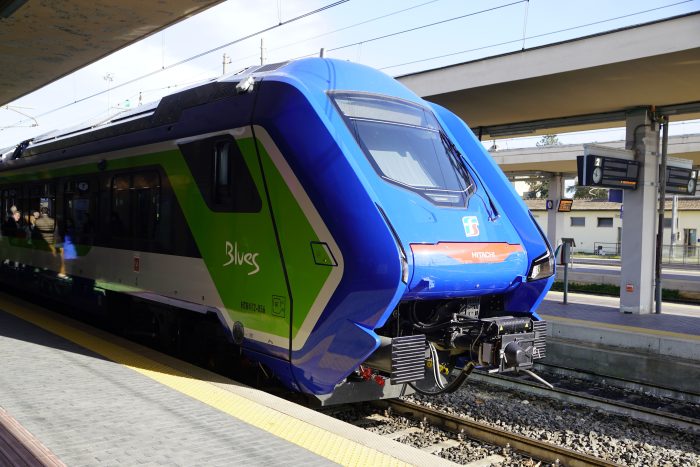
517	343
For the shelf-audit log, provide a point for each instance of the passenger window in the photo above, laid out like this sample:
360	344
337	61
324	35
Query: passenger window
146	204
119	218
135	205
12	210
222	175
79	215
41	225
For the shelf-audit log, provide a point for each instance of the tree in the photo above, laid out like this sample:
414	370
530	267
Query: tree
590	192
539	189
587	192
548	140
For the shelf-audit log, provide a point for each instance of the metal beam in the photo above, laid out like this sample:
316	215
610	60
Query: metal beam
600	120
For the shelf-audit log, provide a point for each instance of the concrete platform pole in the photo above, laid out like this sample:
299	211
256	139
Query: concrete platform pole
639	218
555	220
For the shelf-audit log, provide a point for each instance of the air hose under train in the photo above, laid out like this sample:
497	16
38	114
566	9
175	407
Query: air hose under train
452	386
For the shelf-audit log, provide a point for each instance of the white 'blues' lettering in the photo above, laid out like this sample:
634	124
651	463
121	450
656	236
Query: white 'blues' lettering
239	259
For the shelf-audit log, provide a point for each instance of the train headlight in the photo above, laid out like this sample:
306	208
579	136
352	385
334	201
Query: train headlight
404	268
542	267
402	254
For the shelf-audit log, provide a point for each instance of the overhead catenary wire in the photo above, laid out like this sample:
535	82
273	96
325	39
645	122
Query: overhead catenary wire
280	23
436	23
331	5
194	57
523	39
354	25
385	36
334	31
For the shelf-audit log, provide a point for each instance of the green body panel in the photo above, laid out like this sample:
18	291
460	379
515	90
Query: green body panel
240	250
306	277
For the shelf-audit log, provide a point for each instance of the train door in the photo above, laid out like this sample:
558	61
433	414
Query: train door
311	257
234	230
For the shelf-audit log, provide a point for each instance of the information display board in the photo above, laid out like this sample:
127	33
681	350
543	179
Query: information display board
680	180
609	172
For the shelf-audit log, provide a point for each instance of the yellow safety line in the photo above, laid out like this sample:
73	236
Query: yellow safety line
317	440
621	327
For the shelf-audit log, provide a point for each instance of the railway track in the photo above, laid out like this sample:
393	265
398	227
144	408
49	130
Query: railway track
421	434
533	448
429	419
635	412
655	391
560	425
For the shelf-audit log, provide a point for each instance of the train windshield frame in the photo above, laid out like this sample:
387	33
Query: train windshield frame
406	146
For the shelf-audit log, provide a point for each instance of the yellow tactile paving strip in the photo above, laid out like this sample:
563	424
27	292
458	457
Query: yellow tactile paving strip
620	327
317	440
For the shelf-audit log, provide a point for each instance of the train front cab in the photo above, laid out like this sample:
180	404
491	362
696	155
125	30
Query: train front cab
474	263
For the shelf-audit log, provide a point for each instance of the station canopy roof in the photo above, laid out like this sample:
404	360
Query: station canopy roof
581	84
585	83
42	41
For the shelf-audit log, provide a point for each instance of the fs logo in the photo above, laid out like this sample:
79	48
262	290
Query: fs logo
471	226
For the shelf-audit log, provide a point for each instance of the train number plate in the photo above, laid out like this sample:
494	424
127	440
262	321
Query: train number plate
470	308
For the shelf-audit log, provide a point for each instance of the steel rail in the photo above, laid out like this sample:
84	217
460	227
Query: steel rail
536	449
623	383
636	412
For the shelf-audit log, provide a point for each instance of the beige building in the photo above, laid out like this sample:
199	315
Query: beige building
596	226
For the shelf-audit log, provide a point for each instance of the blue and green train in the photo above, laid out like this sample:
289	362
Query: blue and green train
343	234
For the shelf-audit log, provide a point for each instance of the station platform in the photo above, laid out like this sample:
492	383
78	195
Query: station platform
590	333
73	395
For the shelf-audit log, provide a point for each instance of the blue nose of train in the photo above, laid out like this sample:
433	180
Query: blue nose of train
453	268
463	252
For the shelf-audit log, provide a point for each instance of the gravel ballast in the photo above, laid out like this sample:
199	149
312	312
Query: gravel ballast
614	438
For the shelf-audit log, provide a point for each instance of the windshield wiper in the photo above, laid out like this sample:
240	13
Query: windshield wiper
457	161
449	145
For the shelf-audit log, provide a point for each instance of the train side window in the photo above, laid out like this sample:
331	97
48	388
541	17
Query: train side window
11	202
222	175
119	218
135	210
9	199
145	209
79	212
41	215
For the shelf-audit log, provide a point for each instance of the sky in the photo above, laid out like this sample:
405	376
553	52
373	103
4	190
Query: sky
395	36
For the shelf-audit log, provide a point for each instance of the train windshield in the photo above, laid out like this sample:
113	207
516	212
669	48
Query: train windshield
407	147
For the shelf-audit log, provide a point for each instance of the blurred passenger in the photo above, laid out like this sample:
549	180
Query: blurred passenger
46	226
14	225
30	226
